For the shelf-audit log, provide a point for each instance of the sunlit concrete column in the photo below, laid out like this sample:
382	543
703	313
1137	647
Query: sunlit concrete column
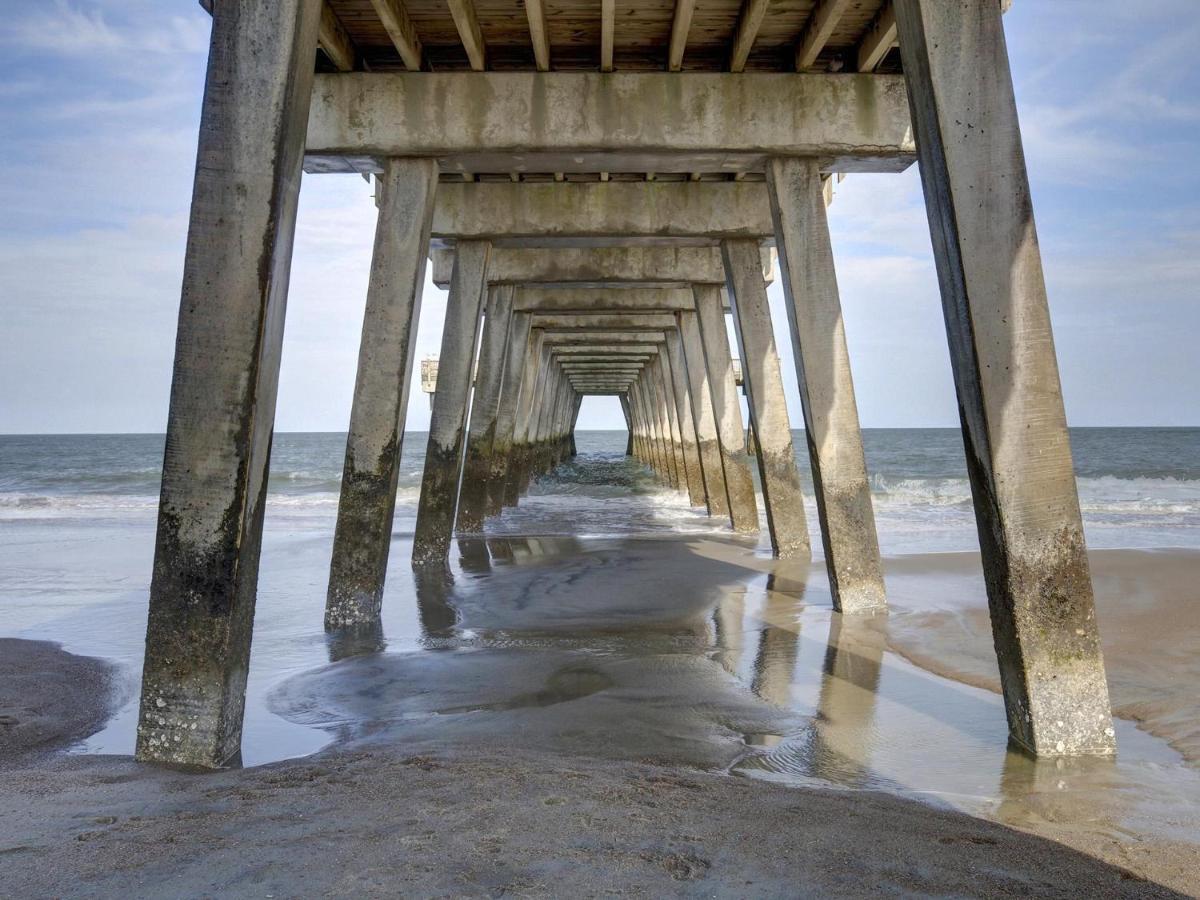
516	349
1006	375
667	393
739	483
657	460
834	438
768	404
228	342
443	456
670	445
687	425
708	445
363	535
485	406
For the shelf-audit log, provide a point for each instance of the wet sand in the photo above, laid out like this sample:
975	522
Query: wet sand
378	822
660	717
51	699
1147	605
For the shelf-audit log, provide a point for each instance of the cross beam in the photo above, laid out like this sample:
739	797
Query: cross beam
596	214
520	122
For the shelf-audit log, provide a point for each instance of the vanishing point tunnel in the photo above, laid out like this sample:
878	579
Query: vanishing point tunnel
598	184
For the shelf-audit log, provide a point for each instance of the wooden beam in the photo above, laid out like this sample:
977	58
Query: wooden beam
332	38
401	30
880	38
753	13
818	31
679	33
536	13
469	32
608	25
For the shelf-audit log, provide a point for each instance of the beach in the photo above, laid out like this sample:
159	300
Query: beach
631	700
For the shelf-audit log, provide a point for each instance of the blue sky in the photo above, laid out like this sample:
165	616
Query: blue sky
99	103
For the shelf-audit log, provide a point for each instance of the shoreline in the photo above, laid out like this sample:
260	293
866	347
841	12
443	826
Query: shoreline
1147	605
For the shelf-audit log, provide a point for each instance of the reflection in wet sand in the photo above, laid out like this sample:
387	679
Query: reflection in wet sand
698	652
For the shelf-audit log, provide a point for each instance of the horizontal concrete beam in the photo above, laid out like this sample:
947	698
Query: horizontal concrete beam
601	214
625	122
586	355
571	336
632	348
598	266
603	299
603	320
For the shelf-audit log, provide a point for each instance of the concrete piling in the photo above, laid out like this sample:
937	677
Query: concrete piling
839	468
363	535
443	455
227	351
1006	375
739	483
776	458
485	405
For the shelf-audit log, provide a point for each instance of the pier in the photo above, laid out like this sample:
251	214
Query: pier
602	194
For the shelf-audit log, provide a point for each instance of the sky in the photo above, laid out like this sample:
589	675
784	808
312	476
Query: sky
99	106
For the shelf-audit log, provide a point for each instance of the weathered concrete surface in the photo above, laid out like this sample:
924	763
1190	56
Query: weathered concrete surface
518	346
782	495
624	401
666	393
228	343
363	535
678	267
443	457
834	438
739	483
1006	375
522	435
708	445
608	298
687	424
622	122
593	321
585	214
485	403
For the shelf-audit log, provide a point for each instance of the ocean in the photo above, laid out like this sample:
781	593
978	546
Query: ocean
1138	487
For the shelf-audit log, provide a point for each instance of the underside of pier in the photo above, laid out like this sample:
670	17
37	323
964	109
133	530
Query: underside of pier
606	190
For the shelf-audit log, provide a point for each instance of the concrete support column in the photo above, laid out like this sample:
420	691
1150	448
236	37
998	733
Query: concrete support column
765	394
708	446
485	406
230	334
687	424
739	483
835	449
363	535
670	441
666	390
1006	375
516	350
657	460
624	398
443	457
525	421
768	405
635	415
